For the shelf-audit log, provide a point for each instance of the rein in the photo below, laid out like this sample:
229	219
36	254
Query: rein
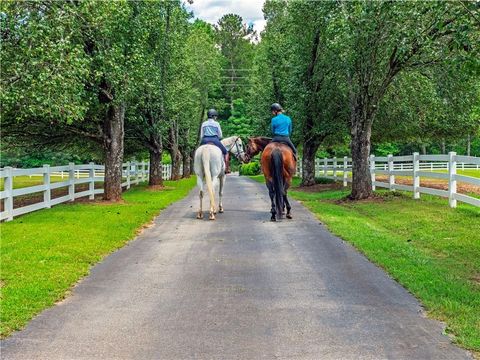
238	152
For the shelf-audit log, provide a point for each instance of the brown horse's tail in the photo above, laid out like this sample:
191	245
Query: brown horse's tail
277	175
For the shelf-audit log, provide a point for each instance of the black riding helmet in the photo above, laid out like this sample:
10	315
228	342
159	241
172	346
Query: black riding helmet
212	113
276	107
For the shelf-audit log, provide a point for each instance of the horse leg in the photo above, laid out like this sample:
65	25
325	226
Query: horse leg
200	212
287	203
200	186
213	208
220	193
271	193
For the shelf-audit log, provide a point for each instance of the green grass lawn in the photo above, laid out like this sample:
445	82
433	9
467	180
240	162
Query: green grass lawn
45	252
432	250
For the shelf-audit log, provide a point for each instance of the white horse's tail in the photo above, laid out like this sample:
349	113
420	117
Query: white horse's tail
208	176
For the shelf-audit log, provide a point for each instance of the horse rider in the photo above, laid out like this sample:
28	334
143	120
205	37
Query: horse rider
282	127
211	133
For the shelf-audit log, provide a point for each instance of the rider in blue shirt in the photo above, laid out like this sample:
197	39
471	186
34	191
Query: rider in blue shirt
282	127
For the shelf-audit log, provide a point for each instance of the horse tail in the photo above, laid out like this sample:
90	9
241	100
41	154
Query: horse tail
208	175
277	175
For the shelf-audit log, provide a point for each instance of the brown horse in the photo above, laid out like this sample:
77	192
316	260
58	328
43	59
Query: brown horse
278	166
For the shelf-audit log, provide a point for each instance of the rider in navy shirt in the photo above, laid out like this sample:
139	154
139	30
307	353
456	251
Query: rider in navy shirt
282	127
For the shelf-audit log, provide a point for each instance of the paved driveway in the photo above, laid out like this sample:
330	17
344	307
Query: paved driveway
240	287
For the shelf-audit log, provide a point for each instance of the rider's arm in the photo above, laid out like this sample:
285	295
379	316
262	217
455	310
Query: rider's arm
201	132
272	127
220	135
290	129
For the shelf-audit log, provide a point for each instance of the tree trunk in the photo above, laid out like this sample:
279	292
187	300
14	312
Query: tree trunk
155	171
175	151
113	128
424	149
186	164
444	147
469	145
192	158
310	148
360	148
176	162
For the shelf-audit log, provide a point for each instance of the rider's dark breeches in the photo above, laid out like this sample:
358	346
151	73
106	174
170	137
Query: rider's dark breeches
285	140
216	141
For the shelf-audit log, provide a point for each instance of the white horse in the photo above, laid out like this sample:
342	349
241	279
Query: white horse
210	169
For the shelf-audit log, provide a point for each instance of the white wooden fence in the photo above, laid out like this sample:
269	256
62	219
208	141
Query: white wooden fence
133	173
415	166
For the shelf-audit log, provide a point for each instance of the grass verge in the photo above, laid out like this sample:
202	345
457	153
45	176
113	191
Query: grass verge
44	253
432	250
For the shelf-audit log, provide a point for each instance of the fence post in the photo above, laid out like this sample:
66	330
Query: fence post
372	171
345	168
128	174
71	181
416	178
335	168
391	177
452	182
46	182
325	164
8	186
134	164
91	183
139	173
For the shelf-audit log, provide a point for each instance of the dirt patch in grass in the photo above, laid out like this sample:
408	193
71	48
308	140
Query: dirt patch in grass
462	188
320	187
475	279
371	200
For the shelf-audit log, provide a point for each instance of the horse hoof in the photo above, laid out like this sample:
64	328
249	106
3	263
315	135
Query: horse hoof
211	217
199	216
220	210
289	216
273	219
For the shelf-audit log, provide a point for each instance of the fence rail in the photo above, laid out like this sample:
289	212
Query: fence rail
132	173
415	166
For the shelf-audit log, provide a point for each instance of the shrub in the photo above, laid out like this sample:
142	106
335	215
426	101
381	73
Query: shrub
252	168
323	180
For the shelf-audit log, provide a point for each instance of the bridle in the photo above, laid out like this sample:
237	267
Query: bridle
238	154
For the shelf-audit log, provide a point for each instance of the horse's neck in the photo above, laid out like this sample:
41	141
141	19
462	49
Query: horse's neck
228	142
263	142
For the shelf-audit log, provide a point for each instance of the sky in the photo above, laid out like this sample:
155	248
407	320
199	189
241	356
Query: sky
212	10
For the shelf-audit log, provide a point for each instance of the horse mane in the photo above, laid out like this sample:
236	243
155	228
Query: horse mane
261	141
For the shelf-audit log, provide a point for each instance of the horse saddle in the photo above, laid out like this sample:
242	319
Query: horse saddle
288	145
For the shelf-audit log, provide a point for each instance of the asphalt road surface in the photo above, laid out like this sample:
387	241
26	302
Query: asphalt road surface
240	287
